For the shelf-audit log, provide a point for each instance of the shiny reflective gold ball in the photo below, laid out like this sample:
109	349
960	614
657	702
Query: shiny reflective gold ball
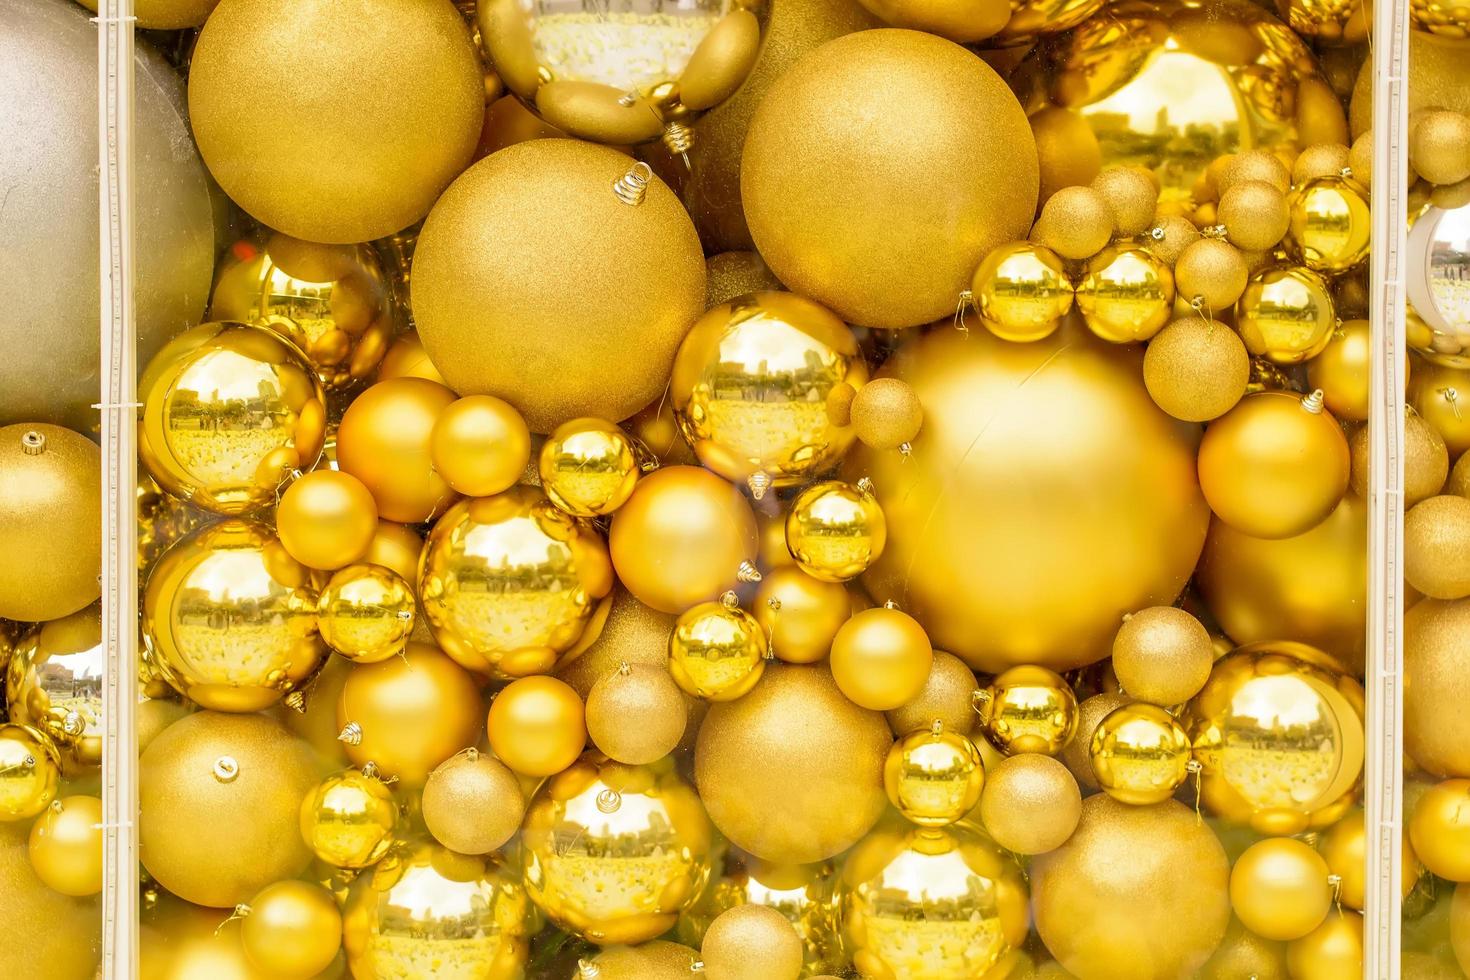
1286	314
30	772
66	846
881	658
933	777
385	440
589	467
1196	369
1126	295
1140	754
1028	709
801	614
326	519
1439	828
836	530
537	726
349	819
1021	291
472	803
54	684
293	930
1162	655
366	613
328	127
480	445
1330	224
717	650
1279	888
1030	804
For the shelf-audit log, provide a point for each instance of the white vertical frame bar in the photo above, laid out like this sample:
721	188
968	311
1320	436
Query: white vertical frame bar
1382	926
115	46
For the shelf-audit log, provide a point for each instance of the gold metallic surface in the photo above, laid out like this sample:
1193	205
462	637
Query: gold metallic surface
30	772
751	940
717	650
537	726
588	467
1334	949
1162	655
1279	889
335	122
1341	371
835	530
62	935
349	819
480	445
327	519
54	684
508	582
1286	314
886	414
656	960
230	618
948	696
1444	18
963	22
1345	849
66	846
803	893
1439	827
801	614
1436	542
751	382
1076	755
294	929
881	658
933	777
1436	682
366	613
614	853
231	413
1022	291
1028	709
1140	754
1439	394
1126	295
1030	804
1031	18
472	803
1330	224
736	273
636	715
385	440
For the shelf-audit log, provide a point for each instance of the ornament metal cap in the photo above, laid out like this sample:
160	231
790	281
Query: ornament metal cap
351	733
1313	403
747	572
33	443
632	187
759	482
226	769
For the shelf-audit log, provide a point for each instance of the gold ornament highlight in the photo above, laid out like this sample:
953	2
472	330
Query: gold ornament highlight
933	777
1126	295
326	519
1140	754
835	530
1286	315
1028	709
717	650
589	467
1279	889
292	929
1021	292
366	613
801	614
480	445
350	818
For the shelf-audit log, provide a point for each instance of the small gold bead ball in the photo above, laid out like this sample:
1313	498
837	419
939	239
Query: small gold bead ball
1170	236
750	941
1258	165
886	413
1321	160
1075	222
1360	158
1255	215
1131	195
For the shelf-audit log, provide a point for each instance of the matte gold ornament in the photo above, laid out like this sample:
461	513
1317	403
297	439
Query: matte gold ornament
751	940
1243	953
1028	709
30	772
1126	294
881	657
396	547
366	613
801	614
1254	213
480	445
1345	849
472	803
1437	141
899	887
1279	728
426	910
1132	194
1005	424
1030	804
623	631
1170	235
1075	222
385	440
717	650
614	853
537	726
227	786
62	934
405	358
802	893
933	777
349	820
948	697
1425	455
1435	654
1436	535
65	846
1196	369
656	960
1274	466
1140	754
50	521
229	618
636	715
835	530
334	302
1334	949
326	519
838	239
1321	160
589	467
1279	888
1440	829
1341	371
1211	274
822	766
609	337
284	95
1330	224
1021	292
1139	918
54	684
1162	655
1439	393
736	273
1286	314
682	538
293	929
231	414
751	384
508	582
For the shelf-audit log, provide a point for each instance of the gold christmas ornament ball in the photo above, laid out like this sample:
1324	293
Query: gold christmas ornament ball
218	796
1286	314
61	934
886	414
681	538
717	650
30	772
1140	754
1345	849
1332	951
1132	194
1076	755
327	126
589	467
409	713
1330	224
963	23
1244	954
656	960
800	614
472	803
480	445
1028	709
622	631
1341	371
881	658
636	715
733	274
1075	223
1170	235
948	697
614	853
1031	804
1437	146
385	439
1279	889
1438	393
1260	165
1126	294
1320	160
1162	655
933	777
887	252
1437	547
1196	369
1255	215
1426	460
1021	292
983	518
366	613
835	530
405	358
1111	902
326	519
1065	147
396	547
508	583
751	941
50	521
1436	680
54	684
349	819
751	386
427	911
537	726
1439	828
500	322
1212	273
821	766
1274	466
293	930
65	846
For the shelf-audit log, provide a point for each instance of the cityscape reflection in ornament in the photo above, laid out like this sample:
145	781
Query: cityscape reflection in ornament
1438	282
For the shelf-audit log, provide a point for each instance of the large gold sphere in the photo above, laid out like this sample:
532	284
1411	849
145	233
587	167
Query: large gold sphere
56	937
428	911
796	746
50	522
1172	84
1111	902
49	229
614	853
1436	682
751	385
1279	729
218	796
230	618
335	123
502	321
348	819
230	414
901	890
986	516
54	684
887	230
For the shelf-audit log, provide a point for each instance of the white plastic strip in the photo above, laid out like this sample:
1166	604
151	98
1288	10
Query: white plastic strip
1385	770
119	488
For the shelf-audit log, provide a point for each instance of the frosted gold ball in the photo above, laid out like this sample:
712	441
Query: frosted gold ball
1031	804
1255	215
1075	222
886	413
1212	272
588	467
751	941
892	252
385	440
1439	146
1320	160
1126	295
1286	315
1252	165
1169	237
1439	826
717	650
348	820
933	777
283	95
30	772
50	521
1436	679
947	697
656	960
733	274
624	631
480	445
1437	547
492	327
472	803
1196	369
1163	655
1028	709
1341	371
1140	754
1132	195
799	613
1426	460
636	715
326	519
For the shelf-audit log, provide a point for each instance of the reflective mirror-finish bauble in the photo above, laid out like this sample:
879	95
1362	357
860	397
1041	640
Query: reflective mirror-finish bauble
1438	282
230	413
1140	754
1286	315
717	650
1126	295
30	772
1279	729
1022	291
1330	224
835	530
54	683
509	582
332	301
751	383
230	618
933	777
1028	709
614	853
349	819
366	613
589	467
427	911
